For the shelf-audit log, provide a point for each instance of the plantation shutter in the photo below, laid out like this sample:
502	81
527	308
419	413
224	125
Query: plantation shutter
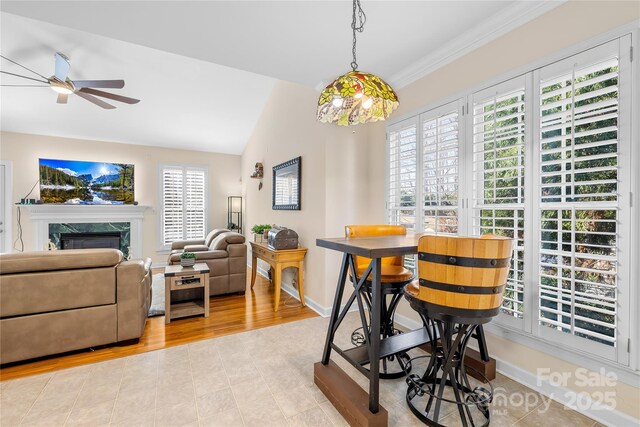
581	217
172	205
498	131
183	204
195	202
440	169
403	164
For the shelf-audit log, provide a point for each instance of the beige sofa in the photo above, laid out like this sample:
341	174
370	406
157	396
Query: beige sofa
225	252
59	301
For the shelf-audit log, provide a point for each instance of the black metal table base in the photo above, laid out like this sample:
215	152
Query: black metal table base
391	367
446	370
396	365
375	346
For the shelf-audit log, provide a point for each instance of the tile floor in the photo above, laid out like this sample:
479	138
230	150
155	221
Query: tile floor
258	378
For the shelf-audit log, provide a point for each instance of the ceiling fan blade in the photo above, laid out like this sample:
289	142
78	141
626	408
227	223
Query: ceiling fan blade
24	77
113	96
62	98
93	99
112	84
62	67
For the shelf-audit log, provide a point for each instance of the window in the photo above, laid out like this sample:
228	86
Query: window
498	177
183	203
549	161
403	163
581	216
440	170
433	206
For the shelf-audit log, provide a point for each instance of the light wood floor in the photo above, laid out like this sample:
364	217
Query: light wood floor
228	315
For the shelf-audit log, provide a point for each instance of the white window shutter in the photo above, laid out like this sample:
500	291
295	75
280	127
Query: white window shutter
579	200
195	204
172	205
498	178
441	135
184	202
403	163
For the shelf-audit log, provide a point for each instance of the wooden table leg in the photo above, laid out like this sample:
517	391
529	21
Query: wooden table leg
301	282
206	295
276	284
167	300
254	268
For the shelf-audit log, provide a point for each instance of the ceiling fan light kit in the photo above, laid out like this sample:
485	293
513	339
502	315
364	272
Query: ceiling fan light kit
356	97
63	86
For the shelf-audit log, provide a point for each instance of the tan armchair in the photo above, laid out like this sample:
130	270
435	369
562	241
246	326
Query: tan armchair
225	252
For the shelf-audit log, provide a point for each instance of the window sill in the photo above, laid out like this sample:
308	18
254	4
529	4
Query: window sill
589	361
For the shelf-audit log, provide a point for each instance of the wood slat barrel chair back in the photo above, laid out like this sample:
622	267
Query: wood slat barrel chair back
462	277
460	285
393	277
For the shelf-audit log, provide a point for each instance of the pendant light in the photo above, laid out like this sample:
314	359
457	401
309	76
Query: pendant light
356	97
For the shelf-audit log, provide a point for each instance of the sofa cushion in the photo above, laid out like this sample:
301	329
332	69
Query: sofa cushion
213	234
56	332
201	256
196	248
29	293
221	242
58	260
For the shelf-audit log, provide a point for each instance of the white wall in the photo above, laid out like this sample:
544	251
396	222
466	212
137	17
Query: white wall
24	150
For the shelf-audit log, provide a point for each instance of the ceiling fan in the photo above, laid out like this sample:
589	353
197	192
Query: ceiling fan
64	86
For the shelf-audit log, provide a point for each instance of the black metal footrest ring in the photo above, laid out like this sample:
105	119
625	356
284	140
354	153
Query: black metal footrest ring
478	397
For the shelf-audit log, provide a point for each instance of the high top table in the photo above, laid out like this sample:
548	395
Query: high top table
339	388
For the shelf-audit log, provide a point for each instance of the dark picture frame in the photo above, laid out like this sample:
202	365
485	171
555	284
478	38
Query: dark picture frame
287	185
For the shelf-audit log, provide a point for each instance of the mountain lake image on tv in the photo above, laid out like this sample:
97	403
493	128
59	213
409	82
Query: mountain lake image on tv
86	183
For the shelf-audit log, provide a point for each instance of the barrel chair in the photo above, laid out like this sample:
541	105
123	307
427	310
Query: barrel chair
393	277
460	287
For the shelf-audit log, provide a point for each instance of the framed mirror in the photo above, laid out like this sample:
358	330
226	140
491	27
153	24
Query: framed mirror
287	185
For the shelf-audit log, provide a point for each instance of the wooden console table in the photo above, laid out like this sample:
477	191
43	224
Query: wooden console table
278	260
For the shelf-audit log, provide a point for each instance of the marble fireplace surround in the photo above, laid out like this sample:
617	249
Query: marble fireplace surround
43	215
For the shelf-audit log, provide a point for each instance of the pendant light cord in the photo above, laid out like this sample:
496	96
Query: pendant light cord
357	25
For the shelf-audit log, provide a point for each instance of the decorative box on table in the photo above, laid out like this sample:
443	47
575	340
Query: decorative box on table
282	238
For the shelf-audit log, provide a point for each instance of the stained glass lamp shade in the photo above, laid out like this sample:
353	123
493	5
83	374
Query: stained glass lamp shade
356	97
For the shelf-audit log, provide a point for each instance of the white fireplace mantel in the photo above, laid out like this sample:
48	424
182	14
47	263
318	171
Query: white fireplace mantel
43	215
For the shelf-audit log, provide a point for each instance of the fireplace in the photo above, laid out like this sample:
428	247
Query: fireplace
50	221
107	239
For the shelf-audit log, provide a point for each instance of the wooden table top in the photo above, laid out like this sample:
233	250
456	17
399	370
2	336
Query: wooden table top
177	269
266	246
373	247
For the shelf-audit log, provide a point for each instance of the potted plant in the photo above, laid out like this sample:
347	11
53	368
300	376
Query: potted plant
187	259
261	230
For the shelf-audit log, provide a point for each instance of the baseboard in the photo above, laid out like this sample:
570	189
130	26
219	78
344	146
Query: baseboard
310	302
578	401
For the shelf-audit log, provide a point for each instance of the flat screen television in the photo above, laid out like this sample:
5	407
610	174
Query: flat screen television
86	183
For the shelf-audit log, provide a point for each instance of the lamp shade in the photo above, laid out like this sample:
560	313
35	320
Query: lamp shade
236	204
356	97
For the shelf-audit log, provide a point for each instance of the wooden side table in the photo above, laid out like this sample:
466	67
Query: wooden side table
278	260
177	278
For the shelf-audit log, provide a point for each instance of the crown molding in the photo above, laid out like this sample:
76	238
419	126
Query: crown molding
501	23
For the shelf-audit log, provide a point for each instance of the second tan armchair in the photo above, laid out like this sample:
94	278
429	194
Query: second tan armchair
225	252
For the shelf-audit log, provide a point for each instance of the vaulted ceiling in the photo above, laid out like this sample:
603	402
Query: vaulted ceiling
205	69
